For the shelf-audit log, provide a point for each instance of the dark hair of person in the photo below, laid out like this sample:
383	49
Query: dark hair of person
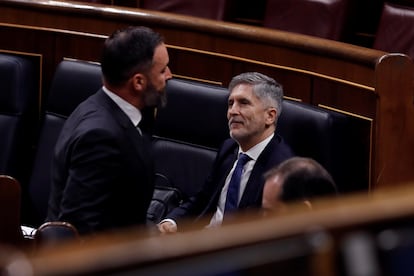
303	179
127	52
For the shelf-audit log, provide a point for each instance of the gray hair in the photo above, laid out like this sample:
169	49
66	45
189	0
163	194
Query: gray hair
269	91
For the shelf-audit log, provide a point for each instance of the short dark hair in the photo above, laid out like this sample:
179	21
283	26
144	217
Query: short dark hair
128	51
303	178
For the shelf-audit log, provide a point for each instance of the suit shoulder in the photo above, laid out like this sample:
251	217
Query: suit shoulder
283	148
228	145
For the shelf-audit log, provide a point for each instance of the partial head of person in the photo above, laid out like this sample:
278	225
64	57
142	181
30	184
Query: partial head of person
254	106
298	179
134	65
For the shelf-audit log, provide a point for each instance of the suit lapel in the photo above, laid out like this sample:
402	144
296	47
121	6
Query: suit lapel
228	164
252	195
226	158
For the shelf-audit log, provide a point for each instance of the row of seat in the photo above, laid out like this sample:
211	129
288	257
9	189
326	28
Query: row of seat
322	18
395	32
331	19
189	129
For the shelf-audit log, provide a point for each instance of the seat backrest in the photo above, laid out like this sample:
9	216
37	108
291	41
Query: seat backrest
195	113
395	31
321	18
10	197
212	9
188	132
19	105
54	233
182	165
337	141
73	82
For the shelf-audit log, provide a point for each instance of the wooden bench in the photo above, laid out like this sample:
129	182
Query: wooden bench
311	241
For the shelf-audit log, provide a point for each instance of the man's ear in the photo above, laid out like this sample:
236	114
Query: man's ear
271	116
139	82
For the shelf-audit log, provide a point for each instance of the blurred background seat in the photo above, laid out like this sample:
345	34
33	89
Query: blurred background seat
395	31
212	9
321	18
54	233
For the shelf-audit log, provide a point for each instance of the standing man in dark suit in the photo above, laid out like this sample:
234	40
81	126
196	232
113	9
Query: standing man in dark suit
102	176
254	106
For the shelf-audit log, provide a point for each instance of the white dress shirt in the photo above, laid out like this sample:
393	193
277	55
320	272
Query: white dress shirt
253	153
131	111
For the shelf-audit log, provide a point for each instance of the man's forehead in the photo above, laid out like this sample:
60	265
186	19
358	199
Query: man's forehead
242	91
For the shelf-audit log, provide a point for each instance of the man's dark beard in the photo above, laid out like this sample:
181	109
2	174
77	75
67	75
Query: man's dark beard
154	97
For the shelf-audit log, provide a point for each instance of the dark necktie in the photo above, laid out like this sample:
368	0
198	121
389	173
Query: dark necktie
234	185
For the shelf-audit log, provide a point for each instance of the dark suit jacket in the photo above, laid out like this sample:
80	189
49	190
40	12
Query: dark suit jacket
205	202
102	176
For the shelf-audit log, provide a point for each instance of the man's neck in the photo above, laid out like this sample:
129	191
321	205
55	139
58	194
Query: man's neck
247	145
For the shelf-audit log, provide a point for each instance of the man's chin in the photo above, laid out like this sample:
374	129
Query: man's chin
155	100
236	135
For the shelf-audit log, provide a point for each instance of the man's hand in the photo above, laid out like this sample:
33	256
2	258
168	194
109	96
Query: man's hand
167	227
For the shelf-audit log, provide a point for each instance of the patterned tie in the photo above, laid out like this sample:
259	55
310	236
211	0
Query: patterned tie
234	185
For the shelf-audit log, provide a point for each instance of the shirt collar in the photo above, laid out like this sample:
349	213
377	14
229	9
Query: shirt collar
131	111
255	151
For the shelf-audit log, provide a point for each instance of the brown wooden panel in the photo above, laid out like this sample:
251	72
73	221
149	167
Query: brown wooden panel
395	121
357	100
207	66
204	67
